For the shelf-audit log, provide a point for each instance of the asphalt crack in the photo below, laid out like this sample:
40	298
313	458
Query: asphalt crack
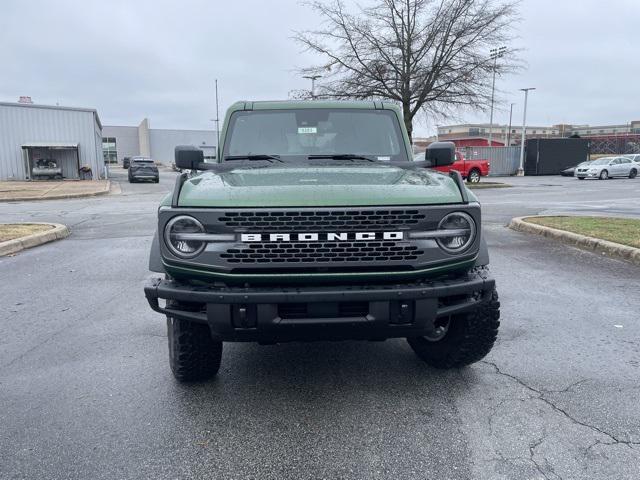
539	395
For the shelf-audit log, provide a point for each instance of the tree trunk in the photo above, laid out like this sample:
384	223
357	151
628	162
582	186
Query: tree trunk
408	120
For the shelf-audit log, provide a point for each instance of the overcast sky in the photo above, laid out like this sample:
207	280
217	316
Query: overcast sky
158	59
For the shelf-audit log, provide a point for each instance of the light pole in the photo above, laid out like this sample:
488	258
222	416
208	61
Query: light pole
524	130
313	79
495	54
509	131
217	123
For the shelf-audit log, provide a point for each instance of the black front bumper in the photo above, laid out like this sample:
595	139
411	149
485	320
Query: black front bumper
372	312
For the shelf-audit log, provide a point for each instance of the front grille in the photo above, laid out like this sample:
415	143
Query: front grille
343	220
308	252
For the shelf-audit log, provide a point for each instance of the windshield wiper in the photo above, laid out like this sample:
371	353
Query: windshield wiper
269	158
343	156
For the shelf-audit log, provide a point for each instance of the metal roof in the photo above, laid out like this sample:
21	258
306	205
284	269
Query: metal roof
53	107
58	145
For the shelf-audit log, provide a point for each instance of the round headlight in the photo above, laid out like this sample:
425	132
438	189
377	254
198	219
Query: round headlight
176	235
463	232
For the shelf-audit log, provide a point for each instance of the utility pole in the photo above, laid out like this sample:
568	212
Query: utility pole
217	124
524	130
313	79
495	54
509	131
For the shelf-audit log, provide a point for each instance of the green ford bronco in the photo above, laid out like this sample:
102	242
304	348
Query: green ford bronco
315	223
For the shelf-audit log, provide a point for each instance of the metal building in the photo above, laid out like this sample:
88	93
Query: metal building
157	143
29	133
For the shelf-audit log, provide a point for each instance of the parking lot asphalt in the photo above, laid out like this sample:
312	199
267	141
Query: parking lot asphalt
86	392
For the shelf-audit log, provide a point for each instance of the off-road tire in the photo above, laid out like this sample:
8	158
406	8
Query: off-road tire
193	354
469	339
633	173
604	175
474	176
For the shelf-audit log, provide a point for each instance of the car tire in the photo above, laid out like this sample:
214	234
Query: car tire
474	176
633	173
468	338
580	178
157	180
603	175
131	180
193	354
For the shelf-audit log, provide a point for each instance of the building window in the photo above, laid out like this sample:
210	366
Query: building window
109	151
474	131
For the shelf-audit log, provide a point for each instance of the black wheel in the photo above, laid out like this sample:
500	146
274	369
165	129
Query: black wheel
460	340
580	178
603	175
157	180
633	173
193	354
474	176
131	180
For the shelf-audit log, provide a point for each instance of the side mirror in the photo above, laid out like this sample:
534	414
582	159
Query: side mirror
440	154
188	157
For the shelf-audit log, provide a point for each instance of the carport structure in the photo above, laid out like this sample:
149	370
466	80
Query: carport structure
66	156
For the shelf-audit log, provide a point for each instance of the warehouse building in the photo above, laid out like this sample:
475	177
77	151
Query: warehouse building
158	143
64	141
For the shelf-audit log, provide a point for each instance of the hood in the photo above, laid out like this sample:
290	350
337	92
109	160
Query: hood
309	186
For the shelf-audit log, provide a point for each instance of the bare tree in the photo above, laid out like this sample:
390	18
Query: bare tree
427	55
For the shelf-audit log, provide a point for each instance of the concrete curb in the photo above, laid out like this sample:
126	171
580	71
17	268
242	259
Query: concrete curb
58	232
616	250
485	185
62	196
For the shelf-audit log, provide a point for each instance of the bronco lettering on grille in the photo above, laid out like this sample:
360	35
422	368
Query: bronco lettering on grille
317	237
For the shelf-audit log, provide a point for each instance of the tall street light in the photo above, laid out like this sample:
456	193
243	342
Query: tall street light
313	79
495	54
509	131
524	130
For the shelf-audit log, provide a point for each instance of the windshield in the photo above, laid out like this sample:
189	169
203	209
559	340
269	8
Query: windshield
299	133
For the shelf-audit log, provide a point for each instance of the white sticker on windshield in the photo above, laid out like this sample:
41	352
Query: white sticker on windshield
385	159
307	130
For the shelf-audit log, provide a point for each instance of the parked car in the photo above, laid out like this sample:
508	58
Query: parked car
569	172
126	161
393	251
143	168
608	167
471	170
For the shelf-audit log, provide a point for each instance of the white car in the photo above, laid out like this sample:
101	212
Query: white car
608	167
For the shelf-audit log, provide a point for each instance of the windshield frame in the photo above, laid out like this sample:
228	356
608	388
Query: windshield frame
403	153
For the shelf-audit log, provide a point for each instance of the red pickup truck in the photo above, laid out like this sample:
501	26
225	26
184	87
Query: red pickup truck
471	170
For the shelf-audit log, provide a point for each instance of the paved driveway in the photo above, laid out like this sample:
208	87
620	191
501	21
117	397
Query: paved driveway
85	390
